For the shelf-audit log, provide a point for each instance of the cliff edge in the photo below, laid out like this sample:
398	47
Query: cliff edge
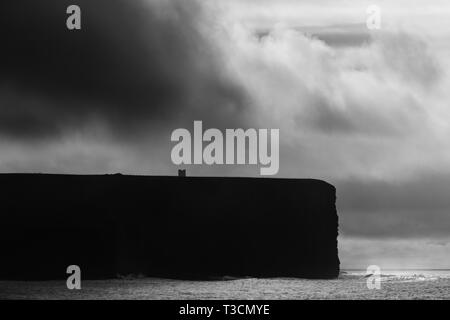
174	227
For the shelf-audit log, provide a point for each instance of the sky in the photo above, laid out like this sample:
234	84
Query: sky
366	110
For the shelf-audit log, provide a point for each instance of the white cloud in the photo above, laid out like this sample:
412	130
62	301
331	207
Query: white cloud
375	110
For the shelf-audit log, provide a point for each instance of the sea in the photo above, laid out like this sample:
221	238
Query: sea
351	284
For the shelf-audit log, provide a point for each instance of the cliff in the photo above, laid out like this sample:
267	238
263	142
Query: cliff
175	227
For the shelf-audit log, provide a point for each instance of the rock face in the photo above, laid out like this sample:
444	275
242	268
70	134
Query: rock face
175	227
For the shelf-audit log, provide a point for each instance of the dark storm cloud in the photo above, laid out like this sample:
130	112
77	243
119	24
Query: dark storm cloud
133	63
413	208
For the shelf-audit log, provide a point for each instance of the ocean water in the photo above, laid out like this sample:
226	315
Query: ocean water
351	284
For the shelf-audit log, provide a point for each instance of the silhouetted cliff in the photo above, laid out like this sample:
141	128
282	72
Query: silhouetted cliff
177	227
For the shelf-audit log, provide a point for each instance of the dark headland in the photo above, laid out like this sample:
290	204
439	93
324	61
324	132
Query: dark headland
159	226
